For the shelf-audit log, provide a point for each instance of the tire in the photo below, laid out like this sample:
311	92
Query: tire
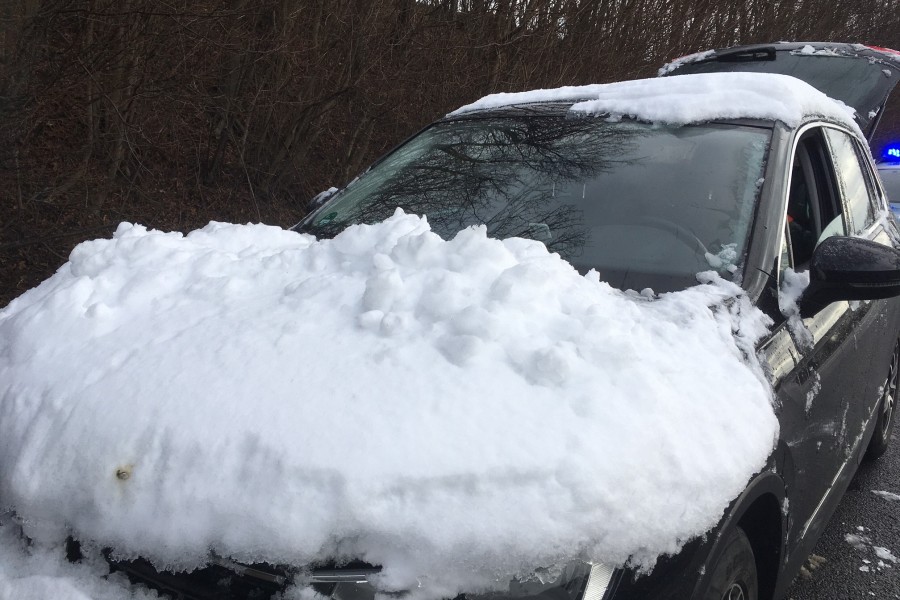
733	571
886	410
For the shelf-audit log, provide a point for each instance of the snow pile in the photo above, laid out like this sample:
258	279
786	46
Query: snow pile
683	99
458	411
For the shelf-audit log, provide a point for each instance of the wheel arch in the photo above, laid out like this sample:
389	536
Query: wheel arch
758	511
763	524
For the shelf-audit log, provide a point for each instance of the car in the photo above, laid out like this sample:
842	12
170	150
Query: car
890	178
755	179
889	170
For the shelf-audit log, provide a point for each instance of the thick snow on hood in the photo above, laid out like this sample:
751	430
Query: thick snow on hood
694	98
458	411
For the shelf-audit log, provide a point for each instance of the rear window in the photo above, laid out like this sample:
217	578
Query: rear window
645	205
846	78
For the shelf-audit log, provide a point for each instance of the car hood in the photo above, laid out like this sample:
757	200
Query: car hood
862	77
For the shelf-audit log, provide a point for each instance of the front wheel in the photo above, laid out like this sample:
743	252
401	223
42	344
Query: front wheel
885	424
733	573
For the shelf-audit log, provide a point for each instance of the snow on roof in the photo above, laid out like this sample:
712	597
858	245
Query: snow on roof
458	411
683	99
684	60
809	50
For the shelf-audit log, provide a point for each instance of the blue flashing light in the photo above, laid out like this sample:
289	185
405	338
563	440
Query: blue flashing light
891	152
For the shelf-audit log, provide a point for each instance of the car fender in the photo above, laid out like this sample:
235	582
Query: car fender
766	483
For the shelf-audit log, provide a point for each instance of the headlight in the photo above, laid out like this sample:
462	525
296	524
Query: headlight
577	580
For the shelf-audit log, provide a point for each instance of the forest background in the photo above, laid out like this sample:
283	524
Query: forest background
174	113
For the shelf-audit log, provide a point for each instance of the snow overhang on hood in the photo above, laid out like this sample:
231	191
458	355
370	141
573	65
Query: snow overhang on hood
459	412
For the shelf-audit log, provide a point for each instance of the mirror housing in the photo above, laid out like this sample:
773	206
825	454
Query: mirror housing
849	268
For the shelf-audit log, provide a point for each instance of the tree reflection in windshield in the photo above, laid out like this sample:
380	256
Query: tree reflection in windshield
644	205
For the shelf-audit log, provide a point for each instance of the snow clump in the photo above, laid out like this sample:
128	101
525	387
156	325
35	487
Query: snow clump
684	60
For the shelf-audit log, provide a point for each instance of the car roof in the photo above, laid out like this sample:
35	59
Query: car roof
860	76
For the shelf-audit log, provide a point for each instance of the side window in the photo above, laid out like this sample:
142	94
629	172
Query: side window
814	209
878	195
854	186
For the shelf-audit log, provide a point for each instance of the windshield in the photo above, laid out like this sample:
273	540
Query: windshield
645	205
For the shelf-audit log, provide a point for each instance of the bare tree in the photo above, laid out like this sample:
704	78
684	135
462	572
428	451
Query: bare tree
172	113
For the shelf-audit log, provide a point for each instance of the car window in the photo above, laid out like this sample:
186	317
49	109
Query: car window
855	189
814	209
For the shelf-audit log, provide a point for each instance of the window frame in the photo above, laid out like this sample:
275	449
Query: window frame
824	181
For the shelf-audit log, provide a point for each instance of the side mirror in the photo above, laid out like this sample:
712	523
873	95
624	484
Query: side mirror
848	268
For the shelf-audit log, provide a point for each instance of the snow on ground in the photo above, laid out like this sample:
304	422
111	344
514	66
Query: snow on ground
884	554
683	99
458	411
863	544
887	495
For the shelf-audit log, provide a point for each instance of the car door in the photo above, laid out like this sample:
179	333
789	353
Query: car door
823	399
862	203
867	209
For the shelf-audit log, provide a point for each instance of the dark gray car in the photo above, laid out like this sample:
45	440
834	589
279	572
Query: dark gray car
649	206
